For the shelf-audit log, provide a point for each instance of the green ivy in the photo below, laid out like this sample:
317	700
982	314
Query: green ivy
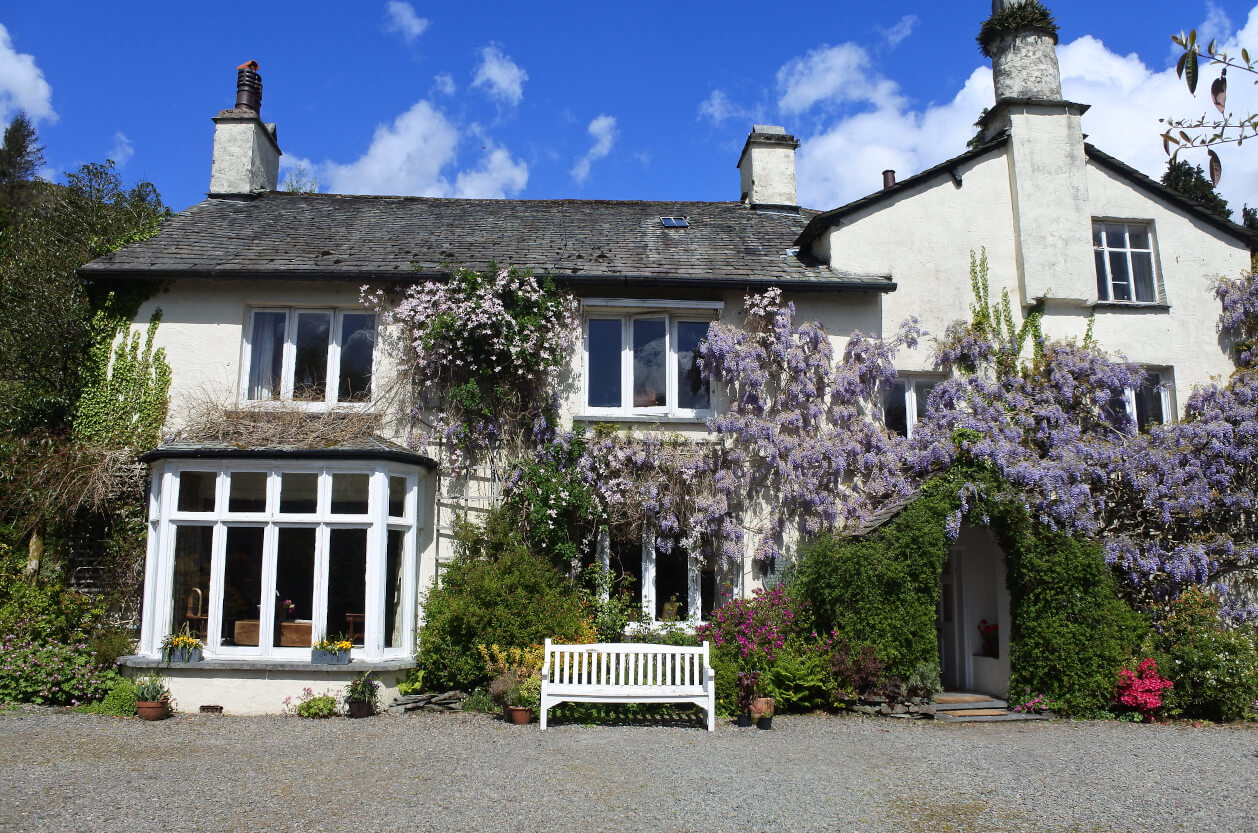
127	386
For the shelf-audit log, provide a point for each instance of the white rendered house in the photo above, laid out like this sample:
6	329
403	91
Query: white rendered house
261	550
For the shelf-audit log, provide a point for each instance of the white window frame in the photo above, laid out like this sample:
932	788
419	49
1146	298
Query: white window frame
166	518
289	363
911	380
1159	292
1166	392
626	311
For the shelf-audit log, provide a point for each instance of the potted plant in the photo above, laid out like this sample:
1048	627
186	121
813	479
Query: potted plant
746	683
989	633
762	711
181	646
152	698
361	695
333	651
522	699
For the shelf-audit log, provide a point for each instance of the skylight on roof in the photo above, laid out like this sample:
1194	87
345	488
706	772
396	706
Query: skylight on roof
674	222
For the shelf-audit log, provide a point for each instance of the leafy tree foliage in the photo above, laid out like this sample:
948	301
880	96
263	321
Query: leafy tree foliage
20	158
1191	181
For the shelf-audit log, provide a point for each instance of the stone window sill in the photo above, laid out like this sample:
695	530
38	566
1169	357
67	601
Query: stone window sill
267	664
1130	306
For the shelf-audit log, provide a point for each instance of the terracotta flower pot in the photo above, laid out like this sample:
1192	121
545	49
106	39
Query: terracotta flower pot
761	707
153	709
519	715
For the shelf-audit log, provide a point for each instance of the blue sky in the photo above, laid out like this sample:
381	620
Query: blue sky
566	99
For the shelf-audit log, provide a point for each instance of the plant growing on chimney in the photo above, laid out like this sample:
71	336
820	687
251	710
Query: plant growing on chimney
1016	15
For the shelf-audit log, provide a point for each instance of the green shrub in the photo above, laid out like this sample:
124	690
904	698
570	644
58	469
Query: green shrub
725	663
1214	668
1070	631
320	706
881	590
495	592
110	643
119	702
1030	14
798	680
480	701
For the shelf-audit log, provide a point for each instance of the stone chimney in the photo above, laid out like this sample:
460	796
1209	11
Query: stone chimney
1047	164
246	152
767	168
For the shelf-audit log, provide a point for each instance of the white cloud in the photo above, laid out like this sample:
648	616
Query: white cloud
404	21
22	84
122	150
603	129
832	75
718	108
866	125
501	77
443	84
901	30
417	154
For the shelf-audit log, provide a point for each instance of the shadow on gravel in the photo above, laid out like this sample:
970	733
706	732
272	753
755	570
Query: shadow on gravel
628	714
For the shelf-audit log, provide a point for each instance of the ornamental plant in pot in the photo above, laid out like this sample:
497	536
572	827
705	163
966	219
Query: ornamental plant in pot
746	682
361	695
522	699
181	646
334	651
152	698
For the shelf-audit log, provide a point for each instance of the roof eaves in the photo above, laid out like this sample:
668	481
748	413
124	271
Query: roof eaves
826	219
1157	189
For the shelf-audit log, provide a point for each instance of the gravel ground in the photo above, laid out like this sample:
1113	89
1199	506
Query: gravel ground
455	772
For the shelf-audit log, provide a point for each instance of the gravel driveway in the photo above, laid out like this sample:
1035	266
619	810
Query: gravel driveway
456	772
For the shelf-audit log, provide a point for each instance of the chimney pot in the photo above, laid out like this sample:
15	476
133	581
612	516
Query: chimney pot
248	87
888	178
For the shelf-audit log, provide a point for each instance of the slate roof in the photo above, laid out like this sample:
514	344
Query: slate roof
376	239
367	448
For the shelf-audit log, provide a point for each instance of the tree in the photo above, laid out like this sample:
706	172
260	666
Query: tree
20	158
1191	181
300	181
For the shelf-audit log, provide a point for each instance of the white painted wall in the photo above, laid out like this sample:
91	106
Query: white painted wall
243	692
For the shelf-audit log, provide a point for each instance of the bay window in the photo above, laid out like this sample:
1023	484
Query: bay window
309	355
642	360
260	558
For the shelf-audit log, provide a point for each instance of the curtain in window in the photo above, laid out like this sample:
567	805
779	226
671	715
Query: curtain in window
266	355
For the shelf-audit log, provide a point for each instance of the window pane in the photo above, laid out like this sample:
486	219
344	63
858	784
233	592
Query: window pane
191	585
1102	277
1142	265
1149	402
692	388
242	586
294	586
1118	276
247	492
1115	235
393	590
707	590
922	391
603	382
310	374
299	492
266	354
1138	237
358	343
671	585
1096	234
347	583
895	412
196	491
650	370
397	497
349	493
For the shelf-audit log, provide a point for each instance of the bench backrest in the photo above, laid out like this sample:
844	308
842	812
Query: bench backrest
625	664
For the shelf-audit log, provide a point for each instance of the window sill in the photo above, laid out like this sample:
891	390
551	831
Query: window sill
661	419
268	664
1131	306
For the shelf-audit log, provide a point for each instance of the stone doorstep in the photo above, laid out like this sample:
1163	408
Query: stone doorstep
950	698
986	715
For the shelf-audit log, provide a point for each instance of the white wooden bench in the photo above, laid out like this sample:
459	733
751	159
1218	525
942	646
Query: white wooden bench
614	672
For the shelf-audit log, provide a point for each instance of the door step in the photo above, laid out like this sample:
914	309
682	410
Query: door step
958	706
